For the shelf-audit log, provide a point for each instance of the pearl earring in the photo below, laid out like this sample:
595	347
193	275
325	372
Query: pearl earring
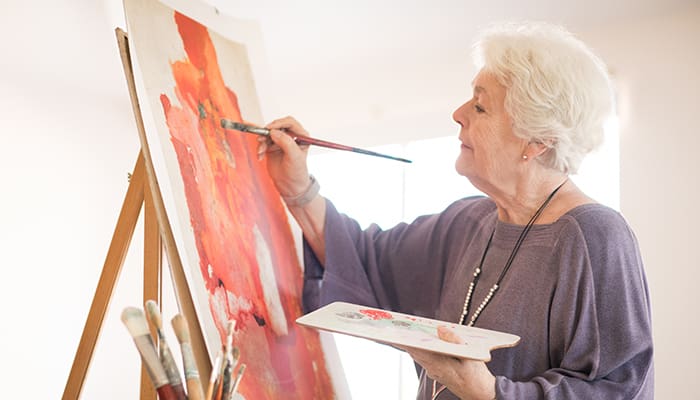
524	156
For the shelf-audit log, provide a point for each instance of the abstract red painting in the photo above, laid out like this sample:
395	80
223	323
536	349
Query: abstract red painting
237	242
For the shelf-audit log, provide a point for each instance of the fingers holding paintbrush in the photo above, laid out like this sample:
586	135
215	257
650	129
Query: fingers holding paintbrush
278	139
283	135
286	160
290	126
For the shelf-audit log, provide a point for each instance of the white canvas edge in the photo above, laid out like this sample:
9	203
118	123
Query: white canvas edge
169	188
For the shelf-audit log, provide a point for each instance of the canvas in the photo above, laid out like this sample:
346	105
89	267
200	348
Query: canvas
193	67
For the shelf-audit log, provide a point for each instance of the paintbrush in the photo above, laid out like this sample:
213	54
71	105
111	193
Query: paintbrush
241	370
230	360
136	323
166	356
228	124
214	377
194	385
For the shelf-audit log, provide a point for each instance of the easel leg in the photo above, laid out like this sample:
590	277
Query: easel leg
143	188
124	231
152	277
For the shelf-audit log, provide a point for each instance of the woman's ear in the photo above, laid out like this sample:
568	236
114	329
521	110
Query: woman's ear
535	149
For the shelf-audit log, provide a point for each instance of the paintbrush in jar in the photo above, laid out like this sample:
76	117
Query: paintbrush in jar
166	356
237	382
213	379
231	355
194	384
135	322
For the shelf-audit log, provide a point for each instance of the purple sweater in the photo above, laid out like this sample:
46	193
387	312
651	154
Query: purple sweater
576	293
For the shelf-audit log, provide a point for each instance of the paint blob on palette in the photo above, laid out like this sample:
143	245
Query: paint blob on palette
406	330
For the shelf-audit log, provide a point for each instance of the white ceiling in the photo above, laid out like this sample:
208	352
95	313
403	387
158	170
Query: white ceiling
327	59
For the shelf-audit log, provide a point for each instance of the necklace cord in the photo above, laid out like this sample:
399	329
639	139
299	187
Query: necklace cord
518	243
526	230
467	302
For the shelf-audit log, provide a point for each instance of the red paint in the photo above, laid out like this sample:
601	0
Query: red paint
228	192
377	314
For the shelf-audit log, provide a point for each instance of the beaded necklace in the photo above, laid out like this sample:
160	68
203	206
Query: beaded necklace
477	271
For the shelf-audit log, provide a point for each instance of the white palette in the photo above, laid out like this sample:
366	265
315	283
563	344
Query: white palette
406	330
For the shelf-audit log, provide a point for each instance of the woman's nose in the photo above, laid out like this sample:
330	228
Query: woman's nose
460	115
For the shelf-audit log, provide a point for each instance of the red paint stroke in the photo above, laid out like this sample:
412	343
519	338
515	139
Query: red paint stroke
235	213
377	314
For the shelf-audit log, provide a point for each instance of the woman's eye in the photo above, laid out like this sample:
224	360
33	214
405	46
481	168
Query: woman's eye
479	109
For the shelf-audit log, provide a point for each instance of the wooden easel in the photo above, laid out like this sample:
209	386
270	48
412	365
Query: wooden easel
144	191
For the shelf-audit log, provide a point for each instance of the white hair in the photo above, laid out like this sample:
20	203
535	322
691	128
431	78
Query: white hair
557	91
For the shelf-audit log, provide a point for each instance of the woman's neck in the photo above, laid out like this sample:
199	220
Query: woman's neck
519	202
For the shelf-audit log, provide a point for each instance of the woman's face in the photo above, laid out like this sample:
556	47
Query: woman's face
490	152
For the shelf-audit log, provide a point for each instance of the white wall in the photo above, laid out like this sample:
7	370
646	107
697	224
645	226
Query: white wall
657	65
67	142
67	148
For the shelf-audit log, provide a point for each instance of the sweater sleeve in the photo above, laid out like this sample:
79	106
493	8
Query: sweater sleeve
399	269
600	319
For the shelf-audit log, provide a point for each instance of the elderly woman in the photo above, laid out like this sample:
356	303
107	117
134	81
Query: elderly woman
536	258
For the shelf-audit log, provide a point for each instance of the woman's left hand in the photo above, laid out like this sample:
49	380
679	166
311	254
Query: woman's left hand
468	379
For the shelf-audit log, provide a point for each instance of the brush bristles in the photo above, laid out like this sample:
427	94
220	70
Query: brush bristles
239	376
230	327
228	124
135	321
154	314
181	329
229	333
236	354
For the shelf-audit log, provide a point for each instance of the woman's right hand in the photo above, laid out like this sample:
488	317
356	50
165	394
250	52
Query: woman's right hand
286	160
286	165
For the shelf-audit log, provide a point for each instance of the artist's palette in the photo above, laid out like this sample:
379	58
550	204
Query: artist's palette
406	330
